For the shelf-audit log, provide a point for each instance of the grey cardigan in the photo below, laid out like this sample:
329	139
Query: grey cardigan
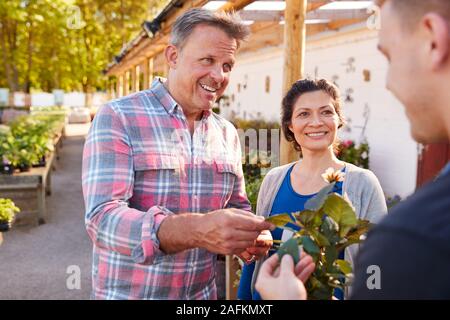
360	185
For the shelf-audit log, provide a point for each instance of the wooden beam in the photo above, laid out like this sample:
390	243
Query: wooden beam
313	5
261	15
335	25
235	5
294	54
338	14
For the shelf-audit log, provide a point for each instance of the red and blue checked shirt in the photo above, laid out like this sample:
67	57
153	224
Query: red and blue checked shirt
140	165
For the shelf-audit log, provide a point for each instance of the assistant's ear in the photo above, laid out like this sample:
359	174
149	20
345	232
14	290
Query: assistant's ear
171	53
438	31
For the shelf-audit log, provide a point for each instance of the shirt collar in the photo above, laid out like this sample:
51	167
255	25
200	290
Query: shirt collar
164	97
167	101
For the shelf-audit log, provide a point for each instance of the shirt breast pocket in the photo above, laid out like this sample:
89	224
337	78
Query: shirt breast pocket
227	174
156	181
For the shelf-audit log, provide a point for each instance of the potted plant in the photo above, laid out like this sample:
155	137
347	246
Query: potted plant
8	212
327	225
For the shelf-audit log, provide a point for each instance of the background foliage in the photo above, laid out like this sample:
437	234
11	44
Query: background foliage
65	44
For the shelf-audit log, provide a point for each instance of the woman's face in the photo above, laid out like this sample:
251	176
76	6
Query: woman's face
314	121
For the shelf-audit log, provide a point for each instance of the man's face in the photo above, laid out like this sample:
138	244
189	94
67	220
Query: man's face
409	74
202	68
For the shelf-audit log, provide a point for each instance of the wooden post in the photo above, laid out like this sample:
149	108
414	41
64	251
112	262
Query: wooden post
137	78
294	55
150	70
231	266
134	77
126	83
145	71
119	85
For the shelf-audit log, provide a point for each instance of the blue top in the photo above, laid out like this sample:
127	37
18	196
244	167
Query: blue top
286	201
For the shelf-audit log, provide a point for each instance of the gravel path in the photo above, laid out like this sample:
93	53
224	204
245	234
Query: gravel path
34	260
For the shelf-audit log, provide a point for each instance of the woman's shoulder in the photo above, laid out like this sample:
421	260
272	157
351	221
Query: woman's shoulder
274	177
359	176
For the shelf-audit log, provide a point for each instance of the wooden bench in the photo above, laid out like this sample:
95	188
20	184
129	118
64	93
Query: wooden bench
37	180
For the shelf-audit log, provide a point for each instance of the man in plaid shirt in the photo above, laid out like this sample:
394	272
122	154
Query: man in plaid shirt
162	175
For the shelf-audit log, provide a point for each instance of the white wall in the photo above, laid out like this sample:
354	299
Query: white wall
253	100
393	153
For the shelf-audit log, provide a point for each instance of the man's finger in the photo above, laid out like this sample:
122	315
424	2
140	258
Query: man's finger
243	235
258	252
252	223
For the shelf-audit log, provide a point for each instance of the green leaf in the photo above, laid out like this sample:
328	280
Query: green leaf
290	247
331	255
361	228
321	240
280	220
309	246
341	212
344	266
316	202
329	229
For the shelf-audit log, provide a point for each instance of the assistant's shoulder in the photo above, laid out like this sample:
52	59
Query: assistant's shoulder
426	212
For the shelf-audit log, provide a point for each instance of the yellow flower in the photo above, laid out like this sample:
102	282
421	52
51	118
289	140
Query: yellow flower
332	175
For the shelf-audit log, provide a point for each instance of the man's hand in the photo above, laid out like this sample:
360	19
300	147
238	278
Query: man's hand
230	231
260	248
285	282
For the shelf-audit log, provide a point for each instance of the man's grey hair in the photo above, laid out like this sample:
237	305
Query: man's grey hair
230	23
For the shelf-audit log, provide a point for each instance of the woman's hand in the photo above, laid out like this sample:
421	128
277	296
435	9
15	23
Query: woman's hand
285	282
260	248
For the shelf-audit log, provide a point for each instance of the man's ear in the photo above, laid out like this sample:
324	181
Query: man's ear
438	33
171	53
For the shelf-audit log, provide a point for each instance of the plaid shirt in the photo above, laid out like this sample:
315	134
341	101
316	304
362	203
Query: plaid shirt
140	165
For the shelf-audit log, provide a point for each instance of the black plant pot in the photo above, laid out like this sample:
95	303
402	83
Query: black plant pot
7	169
24	167
5	226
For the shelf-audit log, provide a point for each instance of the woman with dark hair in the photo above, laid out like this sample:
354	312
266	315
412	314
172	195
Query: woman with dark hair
311	116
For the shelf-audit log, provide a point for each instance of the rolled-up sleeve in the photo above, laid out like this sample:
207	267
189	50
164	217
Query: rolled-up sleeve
108	179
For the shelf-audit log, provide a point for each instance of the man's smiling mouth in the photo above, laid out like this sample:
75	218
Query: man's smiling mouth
208	88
